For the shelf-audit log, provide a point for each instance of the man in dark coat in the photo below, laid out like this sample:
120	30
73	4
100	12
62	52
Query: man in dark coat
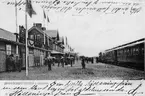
96	59
58	61
83	63
49	63
8	63
92	60
12	63
18	63
71	61
62	61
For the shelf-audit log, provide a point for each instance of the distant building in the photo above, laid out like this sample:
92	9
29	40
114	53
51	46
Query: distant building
58	45
40	47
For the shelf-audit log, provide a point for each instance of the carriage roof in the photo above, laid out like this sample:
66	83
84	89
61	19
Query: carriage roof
127	45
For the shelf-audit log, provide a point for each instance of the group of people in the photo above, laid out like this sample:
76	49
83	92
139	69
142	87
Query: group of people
13	63
49	61
87	60
91	59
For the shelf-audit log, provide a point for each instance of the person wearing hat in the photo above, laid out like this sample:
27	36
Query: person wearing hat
62	61
58	61
18	63
83	63
49	61
8	64
12	63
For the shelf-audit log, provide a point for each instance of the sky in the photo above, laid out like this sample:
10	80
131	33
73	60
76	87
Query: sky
88	34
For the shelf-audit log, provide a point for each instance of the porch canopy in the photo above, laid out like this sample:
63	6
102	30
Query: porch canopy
56	52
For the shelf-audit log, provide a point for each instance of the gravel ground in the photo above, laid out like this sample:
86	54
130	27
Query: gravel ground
97	71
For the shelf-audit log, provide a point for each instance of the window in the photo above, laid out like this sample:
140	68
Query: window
124	52
38	37
142	51
133	51
137	51
127	52
32	37
8	49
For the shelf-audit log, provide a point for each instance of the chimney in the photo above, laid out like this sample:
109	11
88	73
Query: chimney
38	25
43	28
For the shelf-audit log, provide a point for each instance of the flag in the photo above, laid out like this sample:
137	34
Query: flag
29	8
44	14
22	34
66	40
57	36
15	3
48	19
62	40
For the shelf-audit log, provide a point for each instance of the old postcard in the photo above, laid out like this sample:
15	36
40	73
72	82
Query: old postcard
72	47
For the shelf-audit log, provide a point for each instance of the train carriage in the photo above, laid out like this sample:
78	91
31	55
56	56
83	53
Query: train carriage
130	54
110	56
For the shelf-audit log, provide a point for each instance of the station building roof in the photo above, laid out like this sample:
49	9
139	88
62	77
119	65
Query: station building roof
6	35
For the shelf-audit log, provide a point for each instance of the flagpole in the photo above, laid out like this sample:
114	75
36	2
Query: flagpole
26	39
16	24
16	14
44	24
47	23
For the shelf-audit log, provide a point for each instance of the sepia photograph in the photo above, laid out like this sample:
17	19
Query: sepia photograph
77	42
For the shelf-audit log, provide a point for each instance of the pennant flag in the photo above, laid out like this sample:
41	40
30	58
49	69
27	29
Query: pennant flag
29	8
57	35
48	19
66	40
22	34
44	14
15	3
62	40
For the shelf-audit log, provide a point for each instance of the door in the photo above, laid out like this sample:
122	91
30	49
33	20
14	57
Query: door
31	60
23	60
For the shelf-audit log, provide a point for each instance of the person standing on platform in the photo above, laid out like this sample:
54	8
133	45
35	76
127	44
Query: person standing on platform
12	60
8	64
18	63
62	61
96	59
58	61
53	63
49	62
83	63
71	62
92	60
65	60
